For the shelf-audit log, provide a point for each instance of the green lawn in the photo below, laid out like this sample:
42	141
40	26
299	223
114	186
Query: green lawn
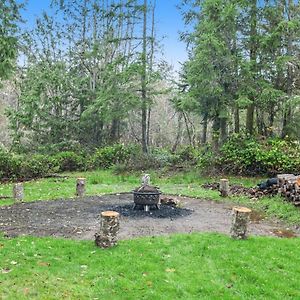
195	266
188	184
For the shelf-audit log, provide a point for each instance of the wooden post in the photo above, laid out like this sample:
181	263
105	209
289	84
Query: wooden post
240	219
18	191
224	187
109	228
80	187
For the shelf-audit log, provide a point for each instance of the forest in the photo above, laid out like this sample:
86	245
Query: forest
92	74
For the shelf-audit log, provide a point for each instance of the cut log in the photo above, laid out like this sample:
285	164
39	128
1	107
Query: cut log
240	220
109	228
80	187
18	191
289	187
224	187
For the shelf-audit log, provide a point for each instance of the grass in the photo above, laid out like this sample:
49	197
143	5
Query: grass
195	266
185	184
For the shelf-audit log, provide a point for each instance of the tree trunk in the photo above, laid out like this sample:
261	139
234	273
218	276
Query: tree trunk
260	121
223	130
151	67
144	84
250	119
114	130
216	134
204	130
289	88
253	57
187	128
271	120
236	120
179	133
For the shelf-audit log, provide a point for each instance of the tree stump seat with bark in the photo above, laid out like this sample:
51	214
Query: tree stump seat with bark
109	228
240	220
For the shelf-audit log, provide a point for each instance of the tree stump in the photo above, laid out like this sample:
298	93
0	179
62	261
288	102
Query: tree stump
80	187
18	191
240	220
109	228
224	187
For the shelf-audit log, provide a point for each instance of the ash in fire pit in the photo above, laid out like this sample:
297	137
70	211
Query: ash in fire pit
165	212
146	196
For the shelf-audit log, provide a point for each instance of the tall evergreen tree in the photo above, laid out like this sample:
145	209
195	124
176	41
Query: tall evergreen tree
9	18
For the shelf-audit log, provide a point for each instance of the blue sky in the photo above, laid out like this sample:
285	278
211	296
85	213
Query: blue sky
168	24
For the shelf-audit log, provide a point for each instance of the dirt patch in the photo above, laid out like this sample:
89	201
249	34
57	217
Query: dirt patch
257	216
79	218
284	233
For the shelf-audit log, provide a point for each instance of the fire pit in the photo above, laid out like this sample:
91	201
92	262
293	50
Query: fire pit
146	196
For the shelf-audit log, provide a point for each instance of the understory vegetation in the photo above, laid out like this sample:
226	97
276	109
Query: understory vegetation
240	155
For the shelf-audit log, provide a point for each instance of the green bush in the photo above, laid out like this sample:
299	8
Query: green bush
70	161
164	157
188	154
139	161
38	166
108	156
248	156
10	165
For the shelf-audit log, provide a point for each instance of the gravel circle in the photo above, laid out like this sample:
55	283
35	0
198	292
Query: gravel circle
79	218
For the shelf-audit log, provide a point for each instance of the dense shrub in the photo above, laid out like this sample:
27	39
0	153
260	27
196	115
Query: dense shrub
38	166
164	157
110	155
188	154
245	155
70	161
10	165
239	155
156	159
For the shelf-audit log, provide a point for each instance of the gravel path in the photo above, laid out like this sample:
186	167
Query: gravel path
78	218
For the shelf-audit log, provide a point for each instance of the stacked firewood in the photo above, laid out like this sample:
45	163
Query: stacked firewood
289	187
286	185
237	190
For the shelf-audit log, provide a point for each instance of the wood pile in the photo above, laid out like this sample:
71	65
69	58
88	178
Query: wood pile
235	189
286	185
289	187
